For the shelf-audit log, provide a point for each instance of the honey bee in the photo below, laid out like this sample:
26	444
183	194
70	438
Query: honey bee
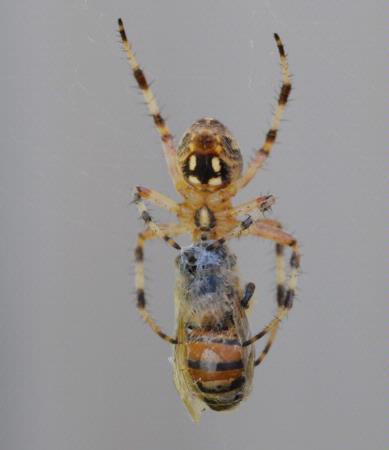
214	355
212	366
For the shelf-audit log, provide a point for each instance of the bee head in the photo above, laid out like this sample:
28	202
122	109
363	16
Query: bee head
208	156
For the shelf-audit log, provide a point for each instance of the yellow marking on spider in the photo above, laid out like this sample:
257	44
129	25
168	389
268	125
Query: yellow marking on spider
204	218
193	180
192	162
216	181
216	166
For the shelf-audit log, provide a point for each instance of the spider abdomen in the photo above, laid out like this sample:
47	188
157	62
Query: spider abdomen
208	155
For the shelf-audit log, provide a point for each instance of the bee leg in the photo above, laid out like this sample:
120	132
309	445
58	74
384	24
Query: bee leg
248	293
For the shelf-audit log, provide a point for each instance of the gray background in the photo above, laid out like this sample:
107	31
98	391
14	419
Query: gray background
79	369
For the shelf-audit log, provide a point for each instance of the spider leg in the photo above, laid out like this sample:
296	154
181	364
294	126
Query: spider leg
286	289
263	153
157	199
164	132
282	239
172	229
262	204
271	222
247	207
145	215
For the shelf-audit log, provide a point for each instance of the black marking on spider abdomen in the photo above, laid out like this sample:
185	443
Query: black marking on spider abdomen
203	169
231	148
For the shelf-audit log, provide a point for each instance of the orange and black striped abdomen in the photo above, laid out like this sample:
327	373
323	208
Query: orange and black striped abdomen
216	365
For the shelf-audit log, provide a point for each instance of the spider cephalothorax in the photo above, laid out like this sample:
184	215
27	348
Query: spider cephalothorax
208	155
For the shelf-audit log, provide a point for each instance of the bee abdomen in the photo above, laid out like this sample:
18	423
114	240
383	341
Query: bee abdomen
215	387
217	368
221	395
223	404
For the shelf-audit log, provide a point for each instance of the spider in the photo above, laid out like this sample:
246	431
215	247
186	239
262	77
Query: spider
207	171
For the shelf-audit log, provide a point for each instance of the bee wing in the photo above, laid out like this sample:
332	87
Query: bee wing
182	380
